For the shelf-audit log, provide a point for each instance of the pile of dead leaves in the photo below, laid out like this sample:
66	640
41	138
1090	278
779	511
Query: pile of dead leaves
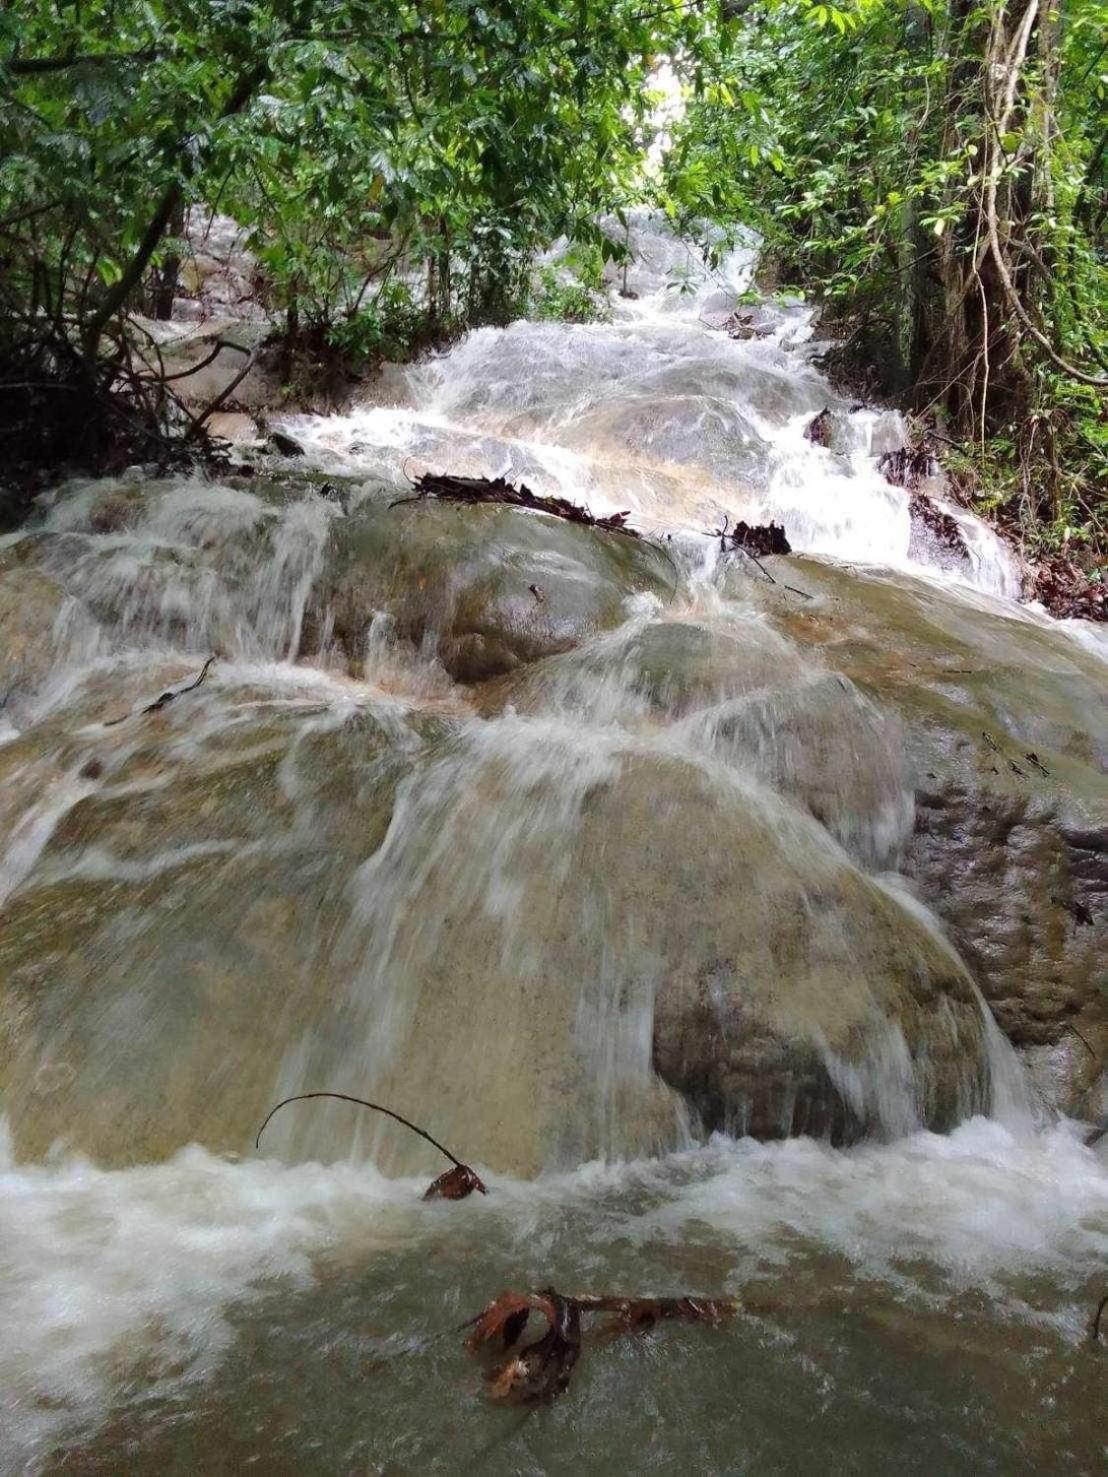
538	1372
759	539
926	514
1067	590
908	466
497	490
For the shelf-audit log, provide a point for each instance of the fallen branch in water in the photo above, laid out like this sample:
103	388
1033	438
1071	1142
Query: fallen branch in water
540	1371
497	490
452	1184
164	698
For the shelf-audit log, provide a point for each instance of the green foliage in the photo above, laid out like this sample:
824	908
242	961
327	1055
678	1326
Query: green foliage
567	302
573	290
388	329
358	140
400	163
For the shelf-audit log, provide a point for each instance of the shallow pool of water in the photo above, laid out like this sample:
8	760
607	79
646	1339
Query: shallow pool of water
922	1304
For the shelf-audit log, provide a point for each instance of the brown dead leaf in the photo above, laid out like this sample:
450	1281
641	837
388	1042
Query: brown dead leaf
455	1184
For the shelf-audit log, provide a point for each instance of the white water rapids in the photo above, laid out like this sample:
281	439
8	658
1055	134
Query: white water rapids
660	412
345	861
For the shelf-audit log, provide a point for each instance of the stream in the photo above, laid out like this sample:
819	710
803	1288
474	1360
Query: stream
696	901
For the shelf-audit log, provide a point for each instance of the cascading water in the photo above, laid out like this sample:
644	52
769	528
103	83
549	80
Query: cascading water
573	847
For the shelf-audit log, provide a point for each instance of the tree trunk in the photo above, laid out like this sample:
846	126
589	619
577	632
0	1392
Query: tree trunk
171	202
167	277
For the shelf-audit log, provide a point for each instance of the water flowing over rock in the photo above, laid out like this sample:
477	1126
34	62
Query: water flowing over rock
30	603
573	844
482	589
1004	747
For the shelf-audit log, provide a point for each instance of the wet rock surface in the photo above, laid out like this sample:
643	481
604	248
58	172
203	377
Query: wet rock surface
30	603
171	940
662	824
639	814
484	589
811	1001
1004	731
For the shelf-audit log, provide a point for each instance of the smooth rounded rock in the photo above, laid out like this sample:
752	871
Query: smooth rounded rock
483	588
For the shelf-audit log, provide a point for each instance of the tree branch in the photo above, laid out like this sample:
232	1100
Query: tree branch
35	66
132	275
1013	65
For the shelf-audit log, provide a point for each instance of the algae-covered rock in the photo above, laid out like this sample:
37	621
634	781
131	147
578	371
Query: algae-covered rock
484	588
169	943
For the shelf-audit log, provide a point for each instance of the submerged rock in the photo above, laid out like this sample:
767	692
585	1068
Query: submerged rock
284	444
552	927
485	589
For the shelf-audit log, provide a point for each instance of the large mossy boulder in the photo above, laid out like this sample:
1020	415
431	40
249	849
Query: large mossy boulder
568	944
1006	740
545	942
484	588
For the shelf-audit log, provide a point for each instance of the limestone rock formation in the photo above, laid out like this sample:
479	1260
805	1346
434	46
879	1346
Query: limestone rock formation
485	589
1006	739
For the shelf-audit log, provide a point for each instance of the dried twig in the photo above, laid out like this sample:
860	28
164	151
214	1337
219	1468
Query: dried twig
751	540
164	698
455	1184
227	391
1069	1026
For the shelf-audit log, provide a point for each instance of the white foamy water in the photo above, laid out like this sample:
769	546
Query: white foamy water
106	1276
332	868
660	412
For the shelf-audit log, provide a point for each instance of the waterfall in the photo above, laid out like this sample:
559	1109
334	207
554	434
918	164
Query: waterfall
588	852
